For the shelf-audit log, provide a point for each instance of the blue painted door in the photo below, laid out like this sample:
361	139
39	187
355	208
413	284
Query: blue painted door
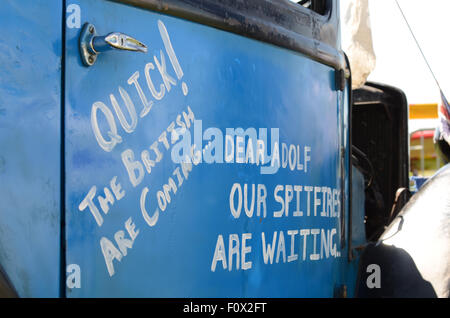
208	167
30	145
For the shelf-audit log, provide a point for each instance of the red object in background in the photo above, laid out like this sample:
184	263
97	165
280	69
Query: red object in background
429	133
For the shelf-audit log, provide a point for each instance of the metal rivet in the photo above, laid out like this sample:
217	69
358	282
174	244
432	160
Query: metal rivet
91	29
90	59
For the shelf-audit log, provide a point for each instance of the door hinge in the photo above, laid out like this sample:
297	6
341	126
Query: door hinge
339	78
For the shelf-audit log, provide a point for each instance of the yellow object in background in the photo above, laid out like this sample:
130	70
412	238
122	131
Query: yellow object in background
423	111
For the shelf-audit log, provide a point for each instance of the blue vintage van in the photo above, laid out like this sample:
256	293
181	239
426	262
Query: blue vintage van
189	149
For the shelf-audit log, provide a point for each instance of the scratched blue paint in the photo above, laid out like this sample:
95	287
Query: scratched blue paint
232	82
30	99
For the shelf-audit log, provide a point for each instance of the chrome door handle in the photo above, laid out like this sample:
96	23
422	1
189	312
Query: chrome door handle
91	44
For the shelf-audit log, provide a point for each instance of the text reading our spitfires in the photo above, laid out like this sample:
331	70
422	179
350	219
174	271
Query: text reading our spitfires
233	251
184	145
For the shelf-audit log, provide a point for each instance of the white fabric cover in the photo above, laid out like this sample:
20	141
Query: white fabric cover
357	39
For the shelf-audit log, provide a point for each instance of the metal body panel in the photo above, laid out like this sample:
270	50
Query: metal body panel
228	81
417	242
279	22
30	113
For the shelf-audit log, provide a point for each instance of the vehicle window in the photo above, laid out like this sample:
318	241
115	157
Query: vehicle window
318	6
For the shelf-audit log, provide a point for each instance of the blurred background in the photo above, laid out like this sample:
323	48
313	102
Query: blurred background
399	63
